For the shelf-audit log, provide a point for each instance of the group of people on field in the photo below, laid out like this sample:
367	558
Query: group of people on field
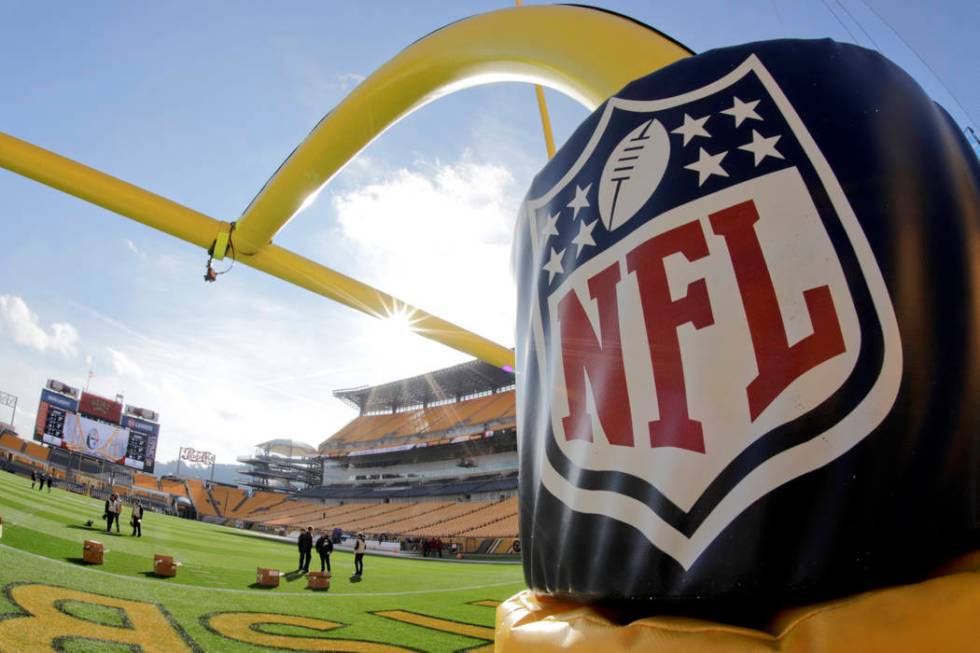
113	508
432	547
36	478
324	547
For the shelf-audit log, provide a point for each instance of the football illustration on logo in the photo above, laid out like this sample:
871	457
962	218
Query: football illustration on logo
632	173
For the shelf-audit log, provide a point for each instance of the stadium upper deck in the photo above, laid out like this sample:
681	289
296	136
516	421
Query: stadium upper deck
435	408
451	383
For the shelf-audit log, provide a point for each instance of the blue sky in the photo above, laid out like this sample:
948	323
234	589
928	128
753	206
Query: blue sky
200	102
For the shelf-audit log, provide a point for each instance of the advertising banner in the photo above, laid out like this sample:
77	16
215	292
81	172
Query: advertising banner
193	455
60	401
136	425
94	438
100	407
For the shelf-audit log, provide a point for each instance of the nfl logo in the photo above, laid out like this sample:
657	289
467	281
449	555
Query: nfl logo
706	321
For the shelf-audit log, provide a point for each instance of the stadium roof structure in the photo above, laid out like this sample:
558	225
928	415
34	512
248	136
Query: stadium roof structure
451	382
287	447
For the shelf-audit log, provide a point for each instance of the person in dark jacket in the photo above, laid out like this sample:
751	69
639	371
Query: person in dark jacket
40	486
108	514
49	483
360	546
305	548
324	547
33	479
137	519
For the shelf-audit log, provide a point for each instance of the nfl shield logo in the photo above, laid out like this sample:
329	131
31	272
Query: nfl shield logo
708	321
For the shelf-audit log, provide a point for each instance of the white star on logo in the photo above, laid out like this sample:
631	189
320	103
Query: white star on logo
581	200
762	147
707	165
743	110
550	226
692	127
584	237
553	266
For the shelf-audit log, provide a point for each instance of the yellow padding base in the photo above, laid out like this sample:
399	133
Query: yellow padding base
939	614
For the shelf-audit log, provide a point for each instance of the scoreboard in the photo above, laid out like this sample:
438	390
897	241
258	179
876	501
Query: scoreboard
98	426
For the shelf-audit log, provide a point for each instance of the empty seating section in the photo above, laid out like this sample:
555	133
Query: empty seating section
506	527
295	513
497	407
226	497
176	488
424	518
482	515
411	526
356	520
146	480
10	441
199	497
257	504
36	451
473	413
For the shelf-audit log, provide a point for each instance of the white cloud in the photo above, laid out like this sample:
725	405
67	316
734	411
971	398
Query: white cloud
131	246
350	80
21	324
438	236
123	365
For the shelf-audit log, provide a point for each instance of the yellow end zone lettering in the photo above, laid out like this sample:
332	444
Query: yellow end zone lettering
45	626
244	627
443	625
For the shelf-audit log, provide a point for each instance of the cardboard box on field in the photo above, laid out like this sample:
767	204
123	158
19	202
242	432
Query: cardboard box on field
93	552
164	566
318	580
267	577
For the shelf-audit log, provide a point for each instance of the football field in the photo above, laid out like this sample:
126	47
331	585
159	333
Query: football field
52	600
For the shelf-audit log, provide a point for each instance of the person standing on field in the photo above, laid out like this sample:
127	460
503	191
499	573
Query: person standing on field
33	479
109	514
116	507
360	546
49	483
305	548
137	519
324	547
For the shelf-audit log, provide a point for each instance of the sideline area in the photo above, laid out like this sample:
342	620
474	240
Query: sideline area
48	593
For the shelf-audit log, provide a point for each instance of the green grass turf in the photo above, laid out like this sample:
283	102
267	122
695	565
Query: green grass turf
42	543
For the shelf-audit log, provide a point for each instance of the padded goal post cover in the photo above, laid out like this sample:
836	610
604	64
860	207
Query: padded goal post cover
935	615
748	338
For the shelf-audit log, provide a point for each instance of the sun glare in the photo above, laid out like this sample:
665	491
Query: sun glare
398	323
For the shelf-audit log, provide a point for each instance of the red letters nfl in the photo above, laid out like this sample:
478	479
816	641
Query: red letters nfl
747	344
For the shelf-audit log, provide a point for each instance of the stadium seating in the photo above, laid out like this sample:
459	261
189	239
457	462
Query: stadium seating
356	520
145	481
226	497
170	486
10	441
471	415
201	499
484	515
257	504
